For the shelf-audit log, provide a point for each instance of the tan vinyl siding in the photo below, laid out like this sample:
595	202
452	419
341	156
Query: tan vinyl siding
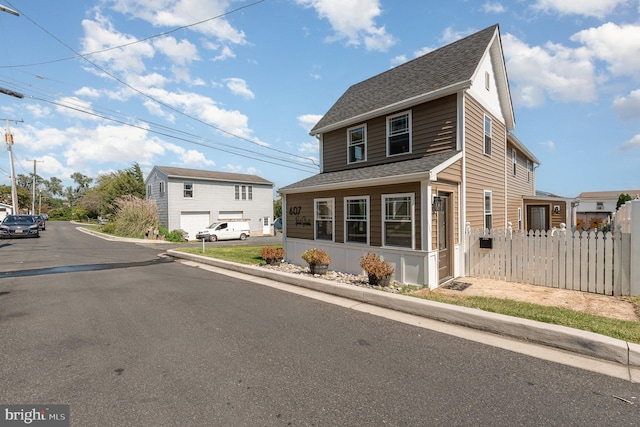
433	131
446	188
517	186
301	226
484	172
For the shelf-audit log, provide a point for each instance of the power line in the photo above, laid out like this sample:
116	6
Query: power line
84	57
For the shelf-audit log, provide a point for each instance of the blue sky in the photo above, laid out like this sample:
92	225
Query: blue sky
236	85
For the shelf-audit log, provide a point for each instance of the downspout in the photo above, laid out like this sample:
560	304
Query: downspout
462	199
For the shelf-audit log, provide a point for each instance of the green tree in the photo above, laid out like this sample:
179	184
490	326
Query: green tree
622	199
114	185
277	207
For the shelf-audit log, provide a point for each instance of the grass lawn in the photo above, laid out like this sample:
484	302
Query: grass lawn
620	329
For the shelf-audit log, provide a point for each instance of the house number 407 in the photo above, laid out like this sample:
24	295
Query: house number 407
295	210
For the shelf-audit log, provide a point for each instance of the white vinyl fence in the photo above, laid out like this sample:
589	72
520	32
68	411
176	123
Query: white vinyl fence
582	261
588	261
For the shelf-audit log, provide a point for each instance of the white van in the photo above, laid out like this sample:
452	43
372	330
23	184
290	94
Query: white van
225	231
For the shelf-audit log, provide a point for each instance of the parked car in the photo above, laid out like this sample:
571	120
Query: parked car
225	231
42	225
14	226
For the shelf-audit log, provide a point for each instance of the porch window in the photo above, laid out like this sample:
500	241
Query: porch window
399	134
488	210
356	219
324	219
187	190
487	135
398	220
357	144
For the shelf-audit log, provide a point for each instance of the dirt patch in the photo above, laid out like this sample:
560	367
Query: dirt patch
602	305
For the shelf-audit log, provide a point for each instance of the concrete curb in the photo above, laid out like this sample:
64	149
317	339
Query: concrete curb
573	340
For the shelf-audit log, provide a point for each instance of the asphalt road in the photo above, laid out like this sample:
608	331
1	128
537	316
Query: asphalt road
129	338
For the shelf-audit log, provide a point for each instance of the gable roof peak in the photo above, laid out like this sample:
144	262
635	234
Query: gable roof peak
440	72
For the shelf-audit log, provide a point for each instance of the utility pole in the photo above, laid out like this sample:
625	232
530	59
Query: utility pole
33	189
14	193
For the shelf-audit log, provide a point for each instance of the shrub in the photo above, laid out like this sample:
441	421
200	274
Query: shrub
175	236
272	254
316	256
134	216
373	265
108	227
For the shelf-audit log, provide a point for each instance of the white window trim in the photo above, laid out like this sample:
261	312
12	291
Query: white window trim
514	157
333	218
149	190
410	125
484	208
367	218
484	135
364	143
161	186
184	190
413	218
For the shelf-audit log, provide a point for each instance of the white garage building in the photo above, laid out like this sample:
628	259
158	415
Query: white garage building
191	199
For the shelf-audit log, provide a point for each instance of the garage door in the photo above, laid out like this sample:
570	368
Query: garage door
192	222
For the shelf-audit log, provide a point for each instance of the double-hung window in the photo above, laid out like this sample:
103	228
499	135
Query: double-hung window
149	190
243	192
488	210
161	187
356	217
324	219
357	144
187	190
399	134
398	220
487	135
514	158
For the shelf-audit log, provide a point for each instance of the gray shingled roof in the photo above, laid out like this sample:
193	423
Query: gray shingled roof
212	175
441	68
359	176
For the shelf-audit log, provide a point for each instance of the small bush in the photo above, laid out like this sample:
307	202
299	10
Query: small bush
272	254
108	227
376	266
174	236
316	256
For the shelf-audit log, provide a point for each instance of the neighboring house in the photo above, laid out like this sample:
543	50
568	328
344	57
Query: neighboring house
5	210
599	205
410	157
190	199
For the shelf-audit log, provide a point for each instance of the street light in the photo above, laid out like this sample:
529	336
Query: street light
6	9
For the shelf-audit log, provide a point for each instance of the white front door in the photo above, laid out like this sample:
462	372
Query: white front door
266	226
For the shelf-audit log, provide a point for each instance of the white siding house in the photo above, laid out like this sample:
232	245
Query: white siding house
191	199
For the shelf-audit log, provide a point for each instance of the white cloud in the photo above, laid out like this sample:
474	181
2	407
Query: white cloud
550	71
594	8
493	7
308	121
628	108
633	143
353	21
195	159
549	145
177	13
450	36
181	53
617	45
100	35
239	87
